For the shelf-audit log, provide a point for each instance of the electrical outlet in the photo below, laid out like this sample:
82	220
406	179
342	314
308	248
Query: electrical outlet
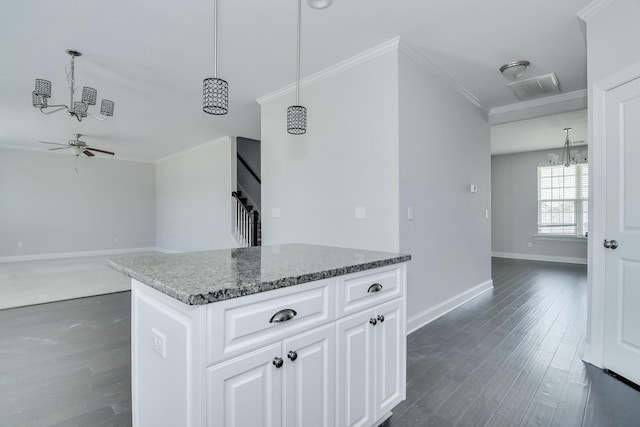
19	244
158	343
275	212
530	244
486	213
115	240
409	213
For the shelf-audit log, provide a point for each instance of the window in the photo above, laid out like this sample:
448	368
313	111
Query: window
563	193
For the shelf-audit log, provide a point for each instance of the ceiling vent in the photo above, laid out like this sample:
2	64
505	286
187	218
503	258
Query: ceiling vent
535	87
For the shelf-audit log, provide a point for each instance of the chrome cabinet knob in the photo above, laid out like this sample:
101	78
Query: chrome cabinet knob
292	355
380	317
277	362
610	244
373	321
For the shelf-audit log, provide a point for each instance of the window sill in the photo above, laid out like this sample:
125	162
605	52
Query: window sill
559	238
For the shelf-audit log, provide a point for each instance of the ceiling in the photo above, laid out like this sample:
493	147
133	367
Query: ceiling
539	133
151	58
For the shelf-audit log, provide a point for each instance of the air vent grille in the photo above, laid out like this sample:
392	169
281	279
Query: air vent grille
535	87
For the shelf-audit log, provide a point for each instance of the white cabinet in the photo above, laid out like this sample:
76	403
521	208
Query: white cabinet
371	349
290	383
328	353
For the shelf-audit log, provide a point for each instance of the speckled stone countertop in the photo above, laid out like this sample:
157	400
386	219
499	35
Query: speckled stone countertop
209	276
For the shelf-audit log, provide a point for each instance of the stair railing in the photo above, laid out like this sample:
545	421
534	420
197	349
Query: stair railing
246	222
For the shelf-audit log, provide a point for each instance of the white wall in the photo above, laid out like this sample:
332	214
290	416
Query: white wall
193	198
347	158
444	147
613	39
515	210
52	209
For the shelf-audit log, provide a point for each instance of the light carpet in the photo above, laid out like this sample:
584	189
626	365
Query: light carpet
36	282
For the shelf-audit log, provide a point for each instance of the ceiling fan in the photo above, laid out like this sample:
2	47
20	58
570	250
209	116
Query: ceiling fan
78	147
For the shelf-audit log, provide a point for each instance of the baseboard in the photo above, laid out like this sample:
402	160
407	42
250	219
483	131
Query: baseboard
534	257
61	255
165	250
432	313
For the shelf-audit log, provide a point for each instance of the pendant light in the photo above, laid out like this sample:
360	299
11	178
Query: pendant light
297	114
566	150
215	91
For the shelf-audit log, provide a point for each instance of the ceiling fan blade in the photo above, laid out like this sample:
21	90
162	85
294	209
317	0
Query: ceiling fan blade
88	153
100	151
54	143
59	148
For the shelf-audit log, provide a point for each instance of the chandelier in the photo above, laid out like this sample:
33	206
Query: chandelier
77	109
215	91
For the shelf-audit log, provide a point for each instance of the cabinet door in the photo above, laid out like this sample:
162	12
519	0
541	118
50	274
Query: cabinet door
390	359
309	378
246	391
355	388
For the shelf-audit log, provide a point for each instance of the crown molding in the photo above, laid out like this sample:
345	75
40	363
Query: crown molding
563	97
192	149
443	76
594	8
338	68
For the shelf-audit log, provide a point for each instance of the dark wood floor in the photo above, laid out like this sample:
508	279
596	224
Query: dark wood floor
511	357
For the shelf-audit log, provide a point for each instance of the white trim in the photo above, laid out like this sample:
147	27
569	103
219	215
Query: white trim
443	76
535	257
555	99
560	238
338	68
197	147
594	8
61	255
166	251
432	313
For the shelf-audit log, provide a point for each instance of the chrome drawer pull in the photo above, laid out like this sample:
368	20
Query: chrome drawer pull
283	315
376	287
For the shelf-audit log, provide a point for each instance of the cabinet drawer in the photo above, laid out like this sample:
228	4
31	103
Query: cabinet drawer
366	289
244	324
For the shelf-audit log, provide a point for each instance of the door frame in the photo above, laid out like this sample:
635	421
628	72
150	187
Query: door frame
596	279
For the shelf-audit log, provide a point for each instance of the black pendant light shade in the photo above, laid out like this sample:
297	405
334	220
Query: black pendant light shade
215	96
297	120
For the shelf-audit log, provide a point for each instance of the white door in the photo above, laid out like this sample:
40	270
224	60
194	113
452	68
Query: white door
246	391
622	265
354	365
390	371
309	378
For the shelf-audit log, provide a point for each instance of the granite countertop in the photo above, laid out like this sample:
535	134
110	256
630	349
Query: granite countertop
202	277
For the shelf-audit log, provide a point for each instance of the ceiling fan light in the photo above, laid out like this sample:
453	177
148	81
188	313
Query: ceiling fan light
43	88
319	4
89	95
297	120
106	107
515	70
215	96
76	150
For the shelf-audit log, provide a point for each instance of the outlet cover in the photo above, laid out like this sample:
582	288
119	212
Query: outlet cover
361	212
275	212
158	343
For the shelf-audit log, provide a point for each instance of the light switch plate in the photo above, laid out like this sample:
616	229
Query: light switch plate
275	212
361	212
409	213
158	343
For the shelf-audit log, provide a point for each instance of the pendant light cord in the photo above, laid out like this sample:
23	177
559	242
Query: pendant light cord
298	64
215	38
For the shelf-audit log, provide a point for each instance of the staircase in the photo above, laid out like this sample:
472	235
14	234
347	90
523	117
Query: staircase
248	228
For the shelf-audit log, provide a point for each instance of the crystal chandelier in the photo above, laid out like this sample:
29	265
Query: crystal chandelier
77	109
566	150
215	91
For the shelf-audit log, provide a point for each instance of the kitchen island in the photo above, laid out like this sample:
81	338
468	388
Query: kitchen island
287	335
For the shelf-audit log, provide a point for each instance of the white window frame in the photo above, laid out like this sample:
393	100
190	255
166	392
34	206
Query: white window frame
578	202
